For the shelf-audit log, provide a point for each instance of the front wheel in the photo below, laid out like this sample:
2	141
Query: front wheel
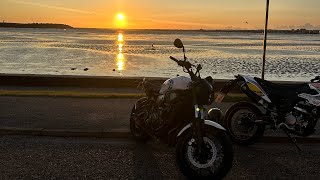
214	162
240	123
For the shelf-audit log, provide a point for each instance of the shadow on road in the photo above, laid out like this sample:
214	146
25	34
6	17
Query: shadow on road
145	164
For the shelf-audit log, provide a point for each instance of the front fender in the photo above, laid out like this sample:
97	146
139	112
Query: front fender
206	122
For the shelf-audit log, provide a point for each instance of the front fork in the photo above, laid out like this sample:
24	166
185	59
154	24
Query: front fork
198	126
198	120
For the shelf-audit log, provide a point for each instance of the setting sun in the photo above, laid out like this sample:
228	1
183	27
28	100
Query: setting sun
120	20
120	17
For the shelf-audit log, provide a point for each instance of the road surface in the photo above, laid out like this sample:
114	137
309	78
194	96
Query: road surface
31	157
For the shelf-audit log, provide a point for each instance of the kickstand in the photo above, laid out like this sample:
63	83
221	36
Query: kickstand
292	140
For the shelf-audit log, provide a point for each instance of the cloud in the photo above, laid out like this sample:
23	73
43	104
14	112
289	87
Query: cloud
52	7
194	25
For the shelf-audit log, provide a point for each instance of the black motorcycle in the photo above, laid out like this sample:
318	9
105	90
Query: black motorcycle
293	108
174	113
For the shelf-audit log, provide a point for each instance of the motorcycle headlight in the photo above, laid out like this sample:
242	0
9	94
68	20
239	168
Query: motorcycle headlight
205	92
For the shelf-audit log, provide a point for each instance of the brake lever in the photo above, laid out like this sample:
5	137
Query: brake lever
316	79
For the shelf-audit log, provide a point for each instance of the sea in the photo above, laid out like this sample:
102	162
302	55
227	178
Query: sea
145	53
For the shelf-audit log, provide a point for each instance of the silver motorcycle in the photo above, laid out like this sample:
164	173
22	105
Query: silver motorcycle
174	113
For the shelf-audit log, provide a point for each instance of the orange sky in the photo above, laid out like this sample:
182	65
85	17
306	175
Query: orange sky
165	14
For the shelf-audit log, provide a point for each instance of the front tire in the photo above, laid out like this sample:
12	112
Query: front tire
214	163
239	122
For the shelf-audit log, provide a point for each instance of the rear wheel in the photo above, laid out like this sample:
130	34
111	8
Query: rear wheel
135	130
213	163
240	123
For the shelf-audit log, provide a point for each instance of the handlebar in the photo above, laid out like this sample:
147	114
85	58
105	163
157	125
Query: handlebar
188	66
185	64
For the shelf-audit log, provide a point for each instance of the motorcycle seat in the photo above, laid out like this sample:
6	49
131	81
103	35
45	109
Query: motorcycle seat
282	90
313	99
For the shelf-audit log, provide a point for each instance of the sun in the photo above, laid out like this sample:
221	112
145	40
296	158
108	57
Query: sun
120	17
120	20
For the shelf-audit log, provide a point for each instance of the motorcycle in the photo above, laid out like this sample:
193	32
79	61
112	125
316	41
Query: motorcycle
293	108
174	113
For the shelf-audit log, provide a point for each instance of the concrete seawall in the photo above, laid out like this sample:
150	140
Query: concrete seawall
90	81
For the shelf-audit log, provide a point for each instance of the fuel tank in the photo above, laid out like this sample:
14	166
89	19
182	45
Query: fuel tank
177	83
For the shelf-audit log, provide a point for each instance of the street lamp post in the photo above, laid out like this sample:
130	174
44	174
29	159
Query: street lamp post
265	40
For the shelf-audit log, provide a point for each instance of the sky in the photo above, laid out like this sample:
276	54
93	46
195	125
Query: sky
165	14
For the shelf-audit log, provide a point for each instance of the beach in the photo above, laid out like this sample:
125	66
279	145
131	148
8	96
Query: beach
145	53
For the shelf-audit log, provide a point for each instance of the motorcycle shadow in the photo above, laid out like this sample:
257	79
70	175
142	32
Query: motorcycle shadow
154	161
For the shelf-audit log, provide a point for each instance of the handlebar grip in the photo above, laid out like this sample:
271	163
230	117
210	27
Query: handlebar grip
185	64
174	59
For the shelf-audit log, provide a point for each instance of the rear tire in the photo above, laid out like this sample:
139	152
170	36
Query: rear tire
215	163
239	121
136	131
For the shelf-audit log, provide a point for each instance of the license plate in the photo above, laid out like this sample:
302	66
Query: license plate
219	97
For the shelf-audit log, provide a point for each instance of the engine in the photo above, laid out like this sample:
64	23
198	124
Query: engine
163	110
303	118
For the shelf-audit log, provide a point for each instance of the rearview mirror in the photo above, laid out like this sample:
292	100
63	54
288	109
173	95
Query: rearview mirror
178	43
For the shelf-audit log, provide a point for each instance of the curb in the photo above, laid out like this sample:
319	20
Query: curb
64	133
71	94
283	139
123	134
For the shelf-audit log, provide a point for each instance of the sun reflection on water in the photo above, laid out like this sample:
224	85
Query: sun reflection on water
120	56
120	37
120	47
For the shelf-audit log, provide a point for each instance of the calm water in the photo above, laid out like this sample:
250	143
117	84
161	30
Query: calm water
130	53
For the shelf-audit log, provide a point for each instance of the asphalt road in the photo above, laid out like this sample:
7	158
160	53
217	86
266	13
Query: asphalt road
30	157
88	114
78	114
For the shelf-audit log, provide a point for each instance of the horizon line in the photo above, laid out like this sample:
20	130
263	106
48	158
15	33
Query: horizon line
122	29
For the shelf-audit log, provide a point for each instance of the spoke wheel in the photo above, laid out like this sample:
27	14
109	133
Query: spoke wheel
215	161
204	159
240	123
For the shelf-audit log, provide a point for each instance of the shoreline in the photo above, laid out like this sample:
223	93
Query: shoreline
111	77
67	27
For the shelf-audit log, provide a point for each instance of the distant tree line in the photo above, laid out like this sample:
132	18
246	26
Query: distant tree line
35	25
292	31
